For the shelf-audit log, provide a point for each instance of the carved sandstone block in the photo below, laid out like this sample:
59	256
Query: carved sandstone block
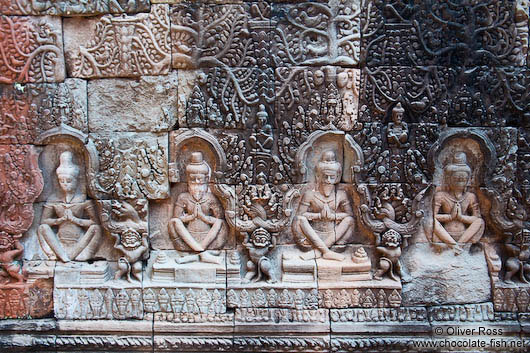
71	8
442	278
231	35
424	33
324	33
131	165
274	320
119	46
127	105
28	110
85	291
224	97
32	50
21	183
409	319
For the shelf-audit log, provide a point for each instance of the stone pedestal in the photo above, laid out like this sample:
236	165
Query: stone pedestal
437	275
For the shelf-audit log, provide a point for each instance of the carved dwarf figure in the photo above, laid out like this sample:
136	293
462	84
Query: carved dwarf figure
390	252
10	249
77	235
259	244
198	217
518	262
325	214
124	223
133	246
457	216
398	131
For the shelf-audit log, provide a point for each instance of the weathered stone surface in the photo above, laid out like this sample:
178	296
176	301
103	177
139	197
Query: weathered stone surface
440	276
127	105
131	165
72	8
113	46
32	50
424	33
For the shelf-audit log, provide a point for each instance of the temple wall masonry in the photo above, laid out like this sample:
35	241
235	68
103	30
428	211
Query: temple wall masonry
274	176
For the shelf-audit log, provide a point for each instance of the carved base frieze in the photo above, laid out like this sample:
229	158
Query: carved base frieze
409	319
513	297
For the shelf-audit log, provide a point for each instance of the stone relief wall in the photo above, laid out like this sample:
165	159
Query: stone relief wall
342	175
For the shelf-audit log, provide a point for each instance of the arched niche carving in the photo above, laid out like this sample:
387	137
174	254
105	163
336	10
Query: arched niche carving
183	143
58	140
477	146
460	151
347	151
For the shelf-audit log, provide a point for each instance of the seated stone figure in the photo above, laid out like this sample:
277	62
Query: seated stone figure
198	216
398	131
325	214
457	216
69	229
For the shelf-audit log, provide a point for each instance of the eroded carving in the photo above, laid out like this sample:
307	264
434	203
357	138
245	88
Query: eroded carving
68	7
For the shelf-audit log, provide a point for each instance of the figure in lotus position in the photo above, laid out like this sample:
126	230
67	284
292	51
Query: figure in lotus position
198	217
457	216
69	229
325	214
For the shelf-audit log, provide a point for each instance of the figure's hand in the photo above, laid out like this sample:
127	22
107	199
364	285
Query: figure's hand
458	212
68	215
454	212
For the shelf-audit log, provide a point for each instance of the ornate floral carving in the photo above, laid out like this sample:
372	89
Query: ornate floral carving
207	35
31	50
317	33
121	46
131	170
425	33
20	184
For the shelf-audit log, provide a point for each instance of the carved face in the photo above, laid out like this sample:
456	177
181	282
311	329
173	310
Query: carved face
6	242
261	238
131	239
67	182
397	116
459	178
331	178
391	239
197	186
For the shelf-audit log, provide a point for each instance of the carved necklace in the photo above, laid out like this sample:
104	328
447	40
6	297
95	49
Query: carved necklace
457	201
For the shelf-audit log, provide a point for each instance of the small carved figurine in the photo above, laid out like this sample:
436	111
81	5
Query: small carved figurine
325	214
457	216
259	244
10	249
78	233
398	131
390	252
133	246
198	217
518	262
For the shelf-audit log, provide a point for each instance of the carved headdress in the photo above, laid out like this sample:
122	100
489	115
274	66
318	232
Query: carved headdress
66	165
458	164
197	165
